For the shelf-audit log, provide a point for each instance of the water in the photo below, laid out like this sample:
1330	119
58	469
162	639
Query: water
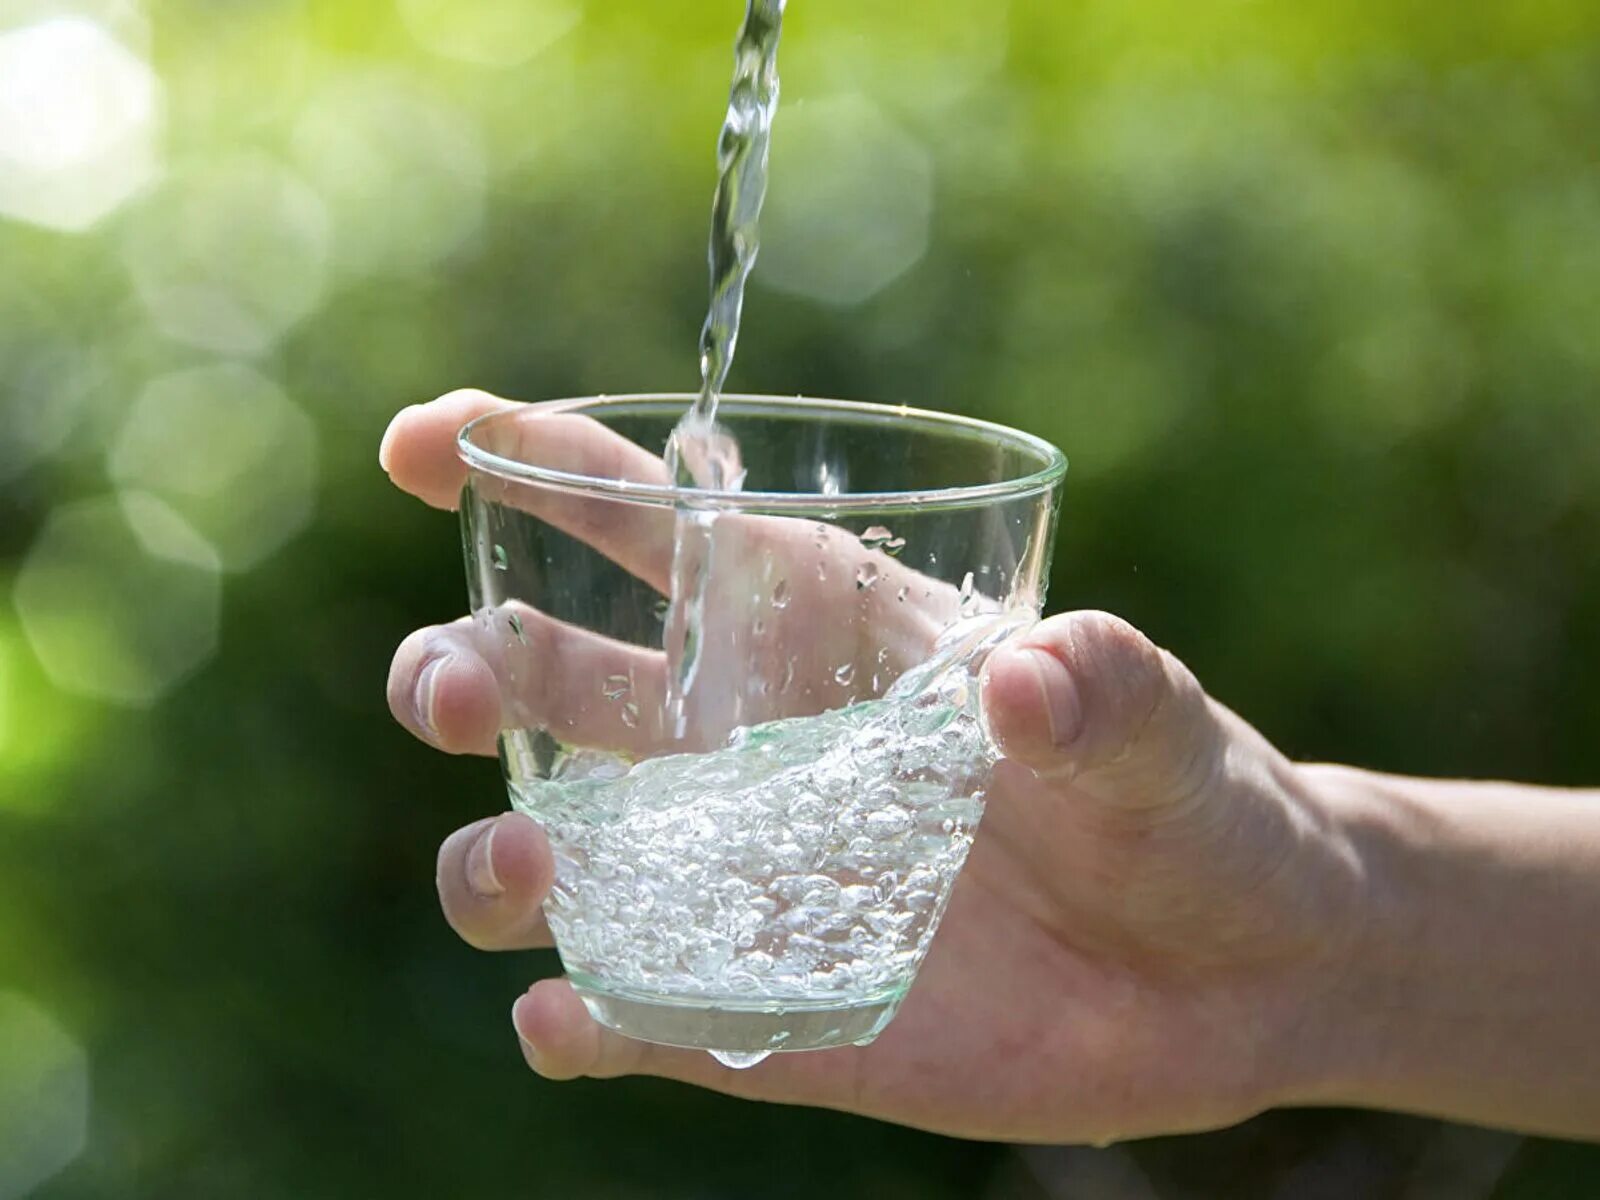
695	453
699	453
806	861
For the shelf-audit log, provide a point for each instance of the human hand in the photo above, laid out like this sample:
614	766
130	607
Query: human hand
1153	909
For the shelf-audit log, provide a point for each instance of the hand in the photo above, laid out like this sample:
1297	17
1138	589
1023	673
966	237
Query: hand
1154	909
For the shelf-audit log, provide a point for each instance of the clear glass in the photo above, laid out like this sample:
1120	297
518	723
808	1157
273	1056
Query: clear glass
756	862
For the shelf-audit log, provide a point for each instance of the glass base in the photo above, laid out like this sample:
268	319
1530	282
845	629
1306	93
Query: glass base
739	1026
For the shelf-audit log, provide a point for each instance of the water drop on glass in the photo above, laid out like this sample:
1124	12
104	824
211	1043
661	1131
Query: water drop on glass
630	715
866	576
880	537
845	673
739	1059
659	609
780	594
901	594
616	687
515	622
501	562
968	596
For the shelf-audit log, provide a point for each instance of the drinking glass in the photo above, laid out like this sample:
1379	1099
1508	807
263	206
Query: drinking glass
759	795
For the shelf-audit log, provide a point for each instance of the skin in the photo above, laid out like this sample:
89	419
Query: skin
1164	924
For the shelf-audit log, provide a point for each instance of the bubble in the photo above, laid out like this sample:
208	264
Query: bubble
501	563
228	451
515	621
630	715
845	673
119	598
866	576
78	124
44	1096
616	687
231	254
780	594
901	594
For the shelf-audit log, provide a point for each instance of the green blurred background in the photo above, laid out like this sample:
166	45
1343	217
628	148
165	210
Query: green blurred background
1309	292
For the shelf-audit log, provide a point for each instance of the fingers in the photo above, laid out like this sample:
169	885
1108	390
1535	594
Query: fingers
419	448
560	1040
419	452
492	878
1086	696
456	686
444	691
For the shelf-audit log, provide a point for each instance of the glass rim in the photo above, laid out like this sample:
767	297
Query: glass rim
1052	471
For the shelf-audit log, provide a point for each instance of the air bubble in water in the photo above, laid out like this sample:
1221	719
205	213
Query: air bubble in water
780	594
866	576
845	673
616	687
739	1059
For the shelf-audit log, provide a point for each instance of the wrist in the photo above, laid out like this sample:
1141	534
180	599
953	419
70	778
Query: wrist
1345	1031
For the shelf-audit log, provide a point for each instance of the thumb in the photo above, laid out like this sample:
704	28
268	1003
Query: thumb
1085	696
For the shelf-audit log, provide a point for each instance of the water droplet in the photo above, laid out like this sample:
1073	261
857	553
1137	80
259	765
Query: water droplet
822	569
759	627
866	576
739	1059
968	596
780	594
616	687
516	627
845	673
901	594
501	562
788	676
630	715
822	536
660	608
879	537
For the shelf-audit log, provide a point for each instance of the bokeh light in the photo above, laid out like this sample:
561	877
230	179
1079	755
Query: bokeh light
403	174
489	33
230	254
119	598
44	1096
78	123
850	204
52	379
233	455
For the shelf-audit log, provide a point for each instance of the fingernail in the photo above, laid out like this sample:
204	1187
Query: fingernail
387	444
1060	695
482	882
530	1052
422	701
